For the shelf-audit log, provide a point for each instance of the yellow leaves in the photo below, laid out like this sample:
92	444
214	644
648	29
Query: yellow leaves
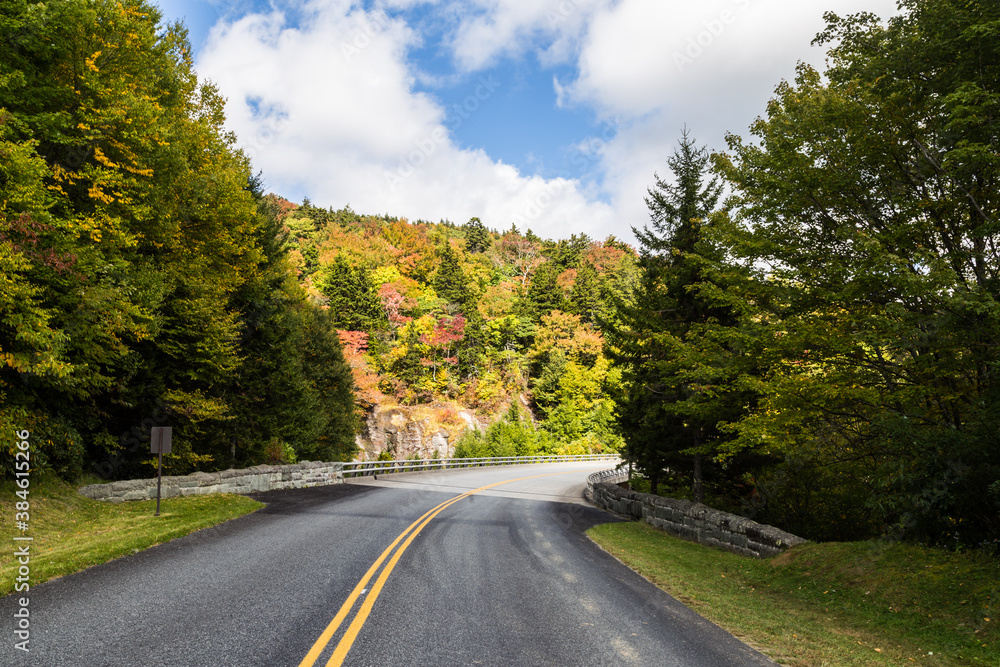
62	175
91	62
97	193
137	171
103	159
10	360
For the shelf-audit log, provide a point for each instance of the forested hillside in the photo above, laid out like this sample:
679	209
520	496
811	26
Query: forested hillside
501	323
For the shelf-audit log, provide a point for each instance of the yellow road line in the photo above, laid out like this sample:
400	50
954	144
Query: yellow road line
340	652
331	629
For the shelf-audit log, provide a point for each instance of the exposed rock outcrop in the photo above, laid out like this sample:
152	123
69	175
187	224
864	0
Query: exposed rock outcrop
426	431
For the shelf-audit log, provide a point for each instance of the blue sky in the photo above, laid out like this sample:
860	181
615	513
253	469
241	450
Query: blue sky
547	114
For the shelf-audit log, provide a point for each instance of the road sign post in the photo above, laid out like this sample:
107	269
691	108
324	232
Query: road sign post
159	444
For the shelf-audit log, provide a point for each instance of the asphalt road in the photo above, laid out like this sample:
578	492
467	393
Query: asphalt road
504	576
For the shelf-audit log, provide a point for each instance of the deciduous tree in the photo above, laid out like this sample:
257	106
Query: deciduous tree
872	198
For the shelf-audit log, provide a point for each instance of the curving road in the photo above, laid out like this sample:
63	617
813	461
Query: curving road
423	568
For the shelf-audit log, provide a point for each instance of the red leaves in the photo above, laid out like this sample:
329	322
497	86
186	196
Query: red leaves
355	343
448	330
25	240
394	303
603	257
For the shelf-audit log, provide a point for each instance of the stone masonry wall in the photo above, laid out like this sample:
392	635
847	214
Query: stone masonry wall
693	521
257	478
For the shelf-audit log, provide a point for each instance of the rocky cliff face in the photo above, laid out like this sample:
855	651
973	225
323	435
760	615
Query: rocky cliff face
426	431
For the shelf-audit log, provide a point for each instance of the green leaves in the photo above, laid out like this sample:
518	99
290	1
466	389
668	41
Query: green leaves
678	342
134	256
351	295
872	199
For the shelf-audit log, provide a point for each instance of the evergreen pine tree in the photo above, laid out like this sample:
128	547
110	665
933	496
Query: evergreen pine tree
585	299
353	300
473	347
544	294
450	283
663	415
477	237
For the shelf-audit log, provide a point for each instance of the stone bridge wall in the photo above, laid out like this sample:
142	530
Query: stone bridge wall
692	521
257	478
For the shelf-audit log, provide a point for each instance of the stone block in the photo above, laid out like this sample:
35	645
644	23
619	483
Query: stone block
95	491
712	542
128	485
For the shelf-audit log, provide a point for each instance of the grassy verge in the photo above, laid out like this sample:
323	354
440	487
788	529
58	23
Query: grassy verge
71	532
855	603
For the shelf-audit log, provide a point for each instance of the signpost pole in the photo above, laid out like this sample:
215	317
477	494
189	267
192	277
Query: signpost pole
159	444
159	469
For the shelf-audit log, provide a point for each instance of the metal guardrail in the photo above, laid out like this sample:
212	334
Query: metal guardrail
357	469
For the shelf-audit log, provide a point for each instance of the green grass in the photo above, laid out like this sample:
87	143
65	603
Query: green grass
851	603
71	532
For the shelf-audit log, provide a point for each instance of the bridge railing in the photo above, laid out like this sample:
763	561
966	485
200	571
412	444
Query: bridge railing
361	468
613	475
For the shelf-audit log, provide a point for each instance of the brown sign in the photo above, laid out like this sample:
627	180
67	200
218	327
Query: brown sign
160	440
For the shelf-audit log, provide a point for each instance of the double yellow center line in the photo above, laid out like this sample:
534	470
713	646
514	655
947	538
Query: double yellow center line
406	537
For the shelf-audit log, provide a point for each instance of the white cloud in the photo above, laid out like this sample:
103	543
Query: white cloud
482	31
327	109
322	95
644	55
652	67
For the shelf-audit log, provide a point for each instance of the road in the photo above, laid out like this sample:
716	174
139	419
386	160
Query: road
456	567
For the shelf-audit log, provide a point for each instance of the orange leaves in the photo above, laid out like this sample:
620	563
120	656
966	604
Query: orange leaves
604	257
366	391
566	332
354	343
566	280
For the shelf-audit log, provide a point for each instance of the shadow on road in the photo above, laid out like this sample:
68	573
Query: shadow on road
294	501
